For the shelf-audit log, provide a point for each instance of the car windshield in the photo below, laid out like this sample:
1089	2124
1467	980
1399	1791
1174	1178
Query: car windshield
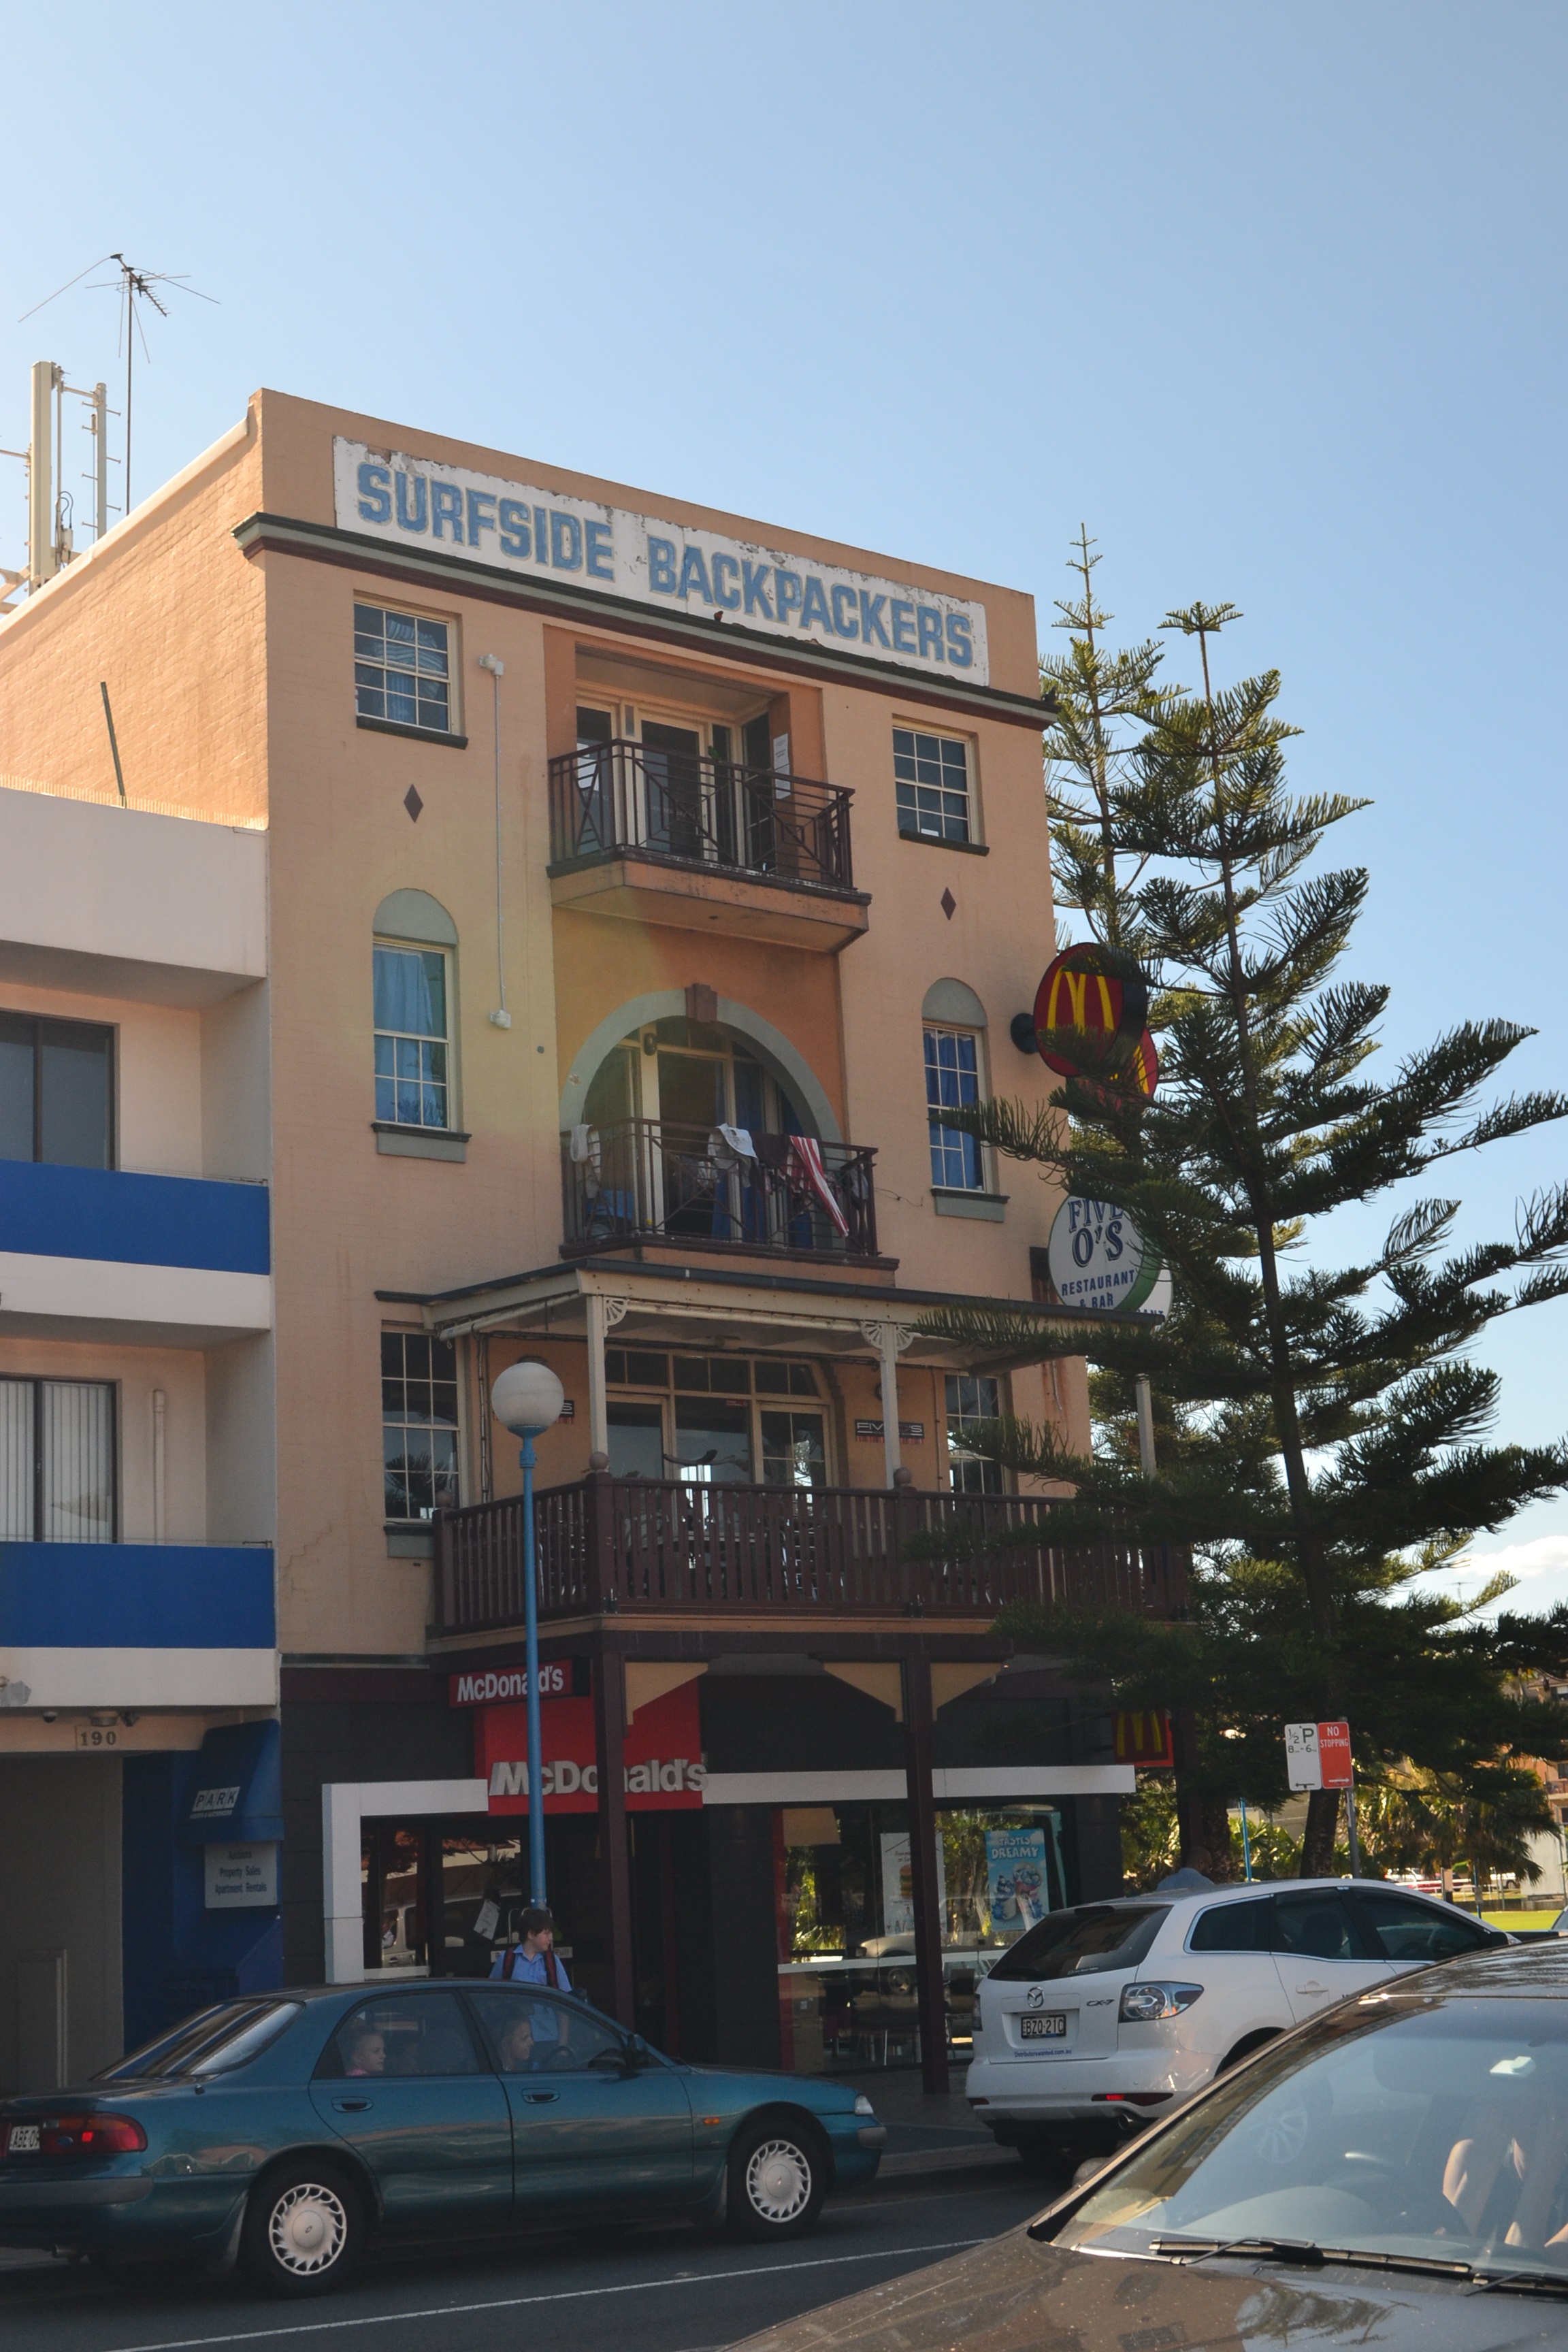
210	2043
1435	2128
1077	1943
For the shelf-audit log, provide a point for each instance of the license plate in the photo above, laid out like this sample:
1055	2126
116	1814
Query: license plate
1049	2025
22	2140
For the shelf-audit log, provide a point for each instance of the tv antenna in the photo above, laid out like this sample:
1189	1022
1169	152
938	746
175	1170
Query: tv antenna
132	286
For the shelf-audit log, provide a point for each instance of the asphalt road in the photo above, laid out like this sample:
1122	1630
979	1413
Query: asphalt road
679	2291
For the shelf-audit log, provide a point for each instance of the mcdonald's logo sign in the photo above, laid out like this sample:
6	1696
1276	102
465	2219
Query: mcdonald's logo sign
1089	1010
1144	1739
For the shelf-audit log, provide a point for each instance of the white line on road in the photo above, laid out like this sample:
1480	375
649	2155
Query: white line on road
576	2294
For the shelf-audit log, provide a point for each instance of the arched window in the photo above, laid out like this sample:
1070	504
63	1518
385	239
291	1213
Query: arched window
413	957
952	1020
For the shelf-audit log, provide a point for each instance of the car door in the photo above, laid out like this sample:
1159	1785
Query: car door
593	2126
405	2083
1412	1934
1230	1955
1318	1954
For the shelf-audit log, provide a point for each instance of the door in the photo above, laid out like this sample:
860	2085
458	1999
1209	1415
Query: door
1319	1957
795	1448
405	2082
674	792
1238	1972
589	2129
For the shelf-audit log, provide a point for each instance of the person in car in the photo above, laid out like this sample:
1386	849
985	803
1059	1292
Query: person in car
366	2052
517	2042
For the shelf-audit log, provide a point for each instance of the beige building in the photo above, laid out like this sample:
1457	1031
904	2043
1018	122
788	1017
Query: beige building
571	905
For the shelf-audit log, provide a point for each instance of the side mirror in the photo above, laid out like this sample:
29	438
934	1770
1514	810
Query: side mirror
636	2051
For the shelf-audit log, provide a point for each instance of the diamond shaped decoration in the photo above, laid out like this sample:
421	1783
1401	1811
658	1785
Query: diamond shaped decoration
413	804
948	905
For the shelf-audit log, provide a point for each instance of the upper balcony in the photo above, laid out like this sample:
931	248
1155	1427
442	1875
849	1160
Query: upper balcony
136	1624
652	1180
677	837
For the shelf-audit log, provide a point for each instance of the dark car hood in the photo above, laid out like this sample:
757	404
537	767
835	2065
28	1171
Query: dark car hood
1013	2296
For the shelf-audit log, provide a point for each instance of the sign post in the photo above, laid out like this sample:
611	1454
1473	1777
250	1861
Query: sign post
1318	1756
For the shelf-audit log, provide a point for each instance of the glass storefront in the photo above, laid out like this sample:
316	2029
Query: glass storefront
848	1982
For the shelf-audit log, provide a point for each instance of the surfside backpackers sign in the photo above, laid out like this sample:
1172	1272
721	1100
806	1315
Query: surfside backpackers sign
486	519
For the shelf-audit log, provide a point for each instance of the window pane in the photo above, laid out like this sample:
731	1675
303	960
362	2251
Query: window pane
77	1461
1406	1930
17	1461
1316	1925
417	2033
411	993
970	1398
73	1078
17	1037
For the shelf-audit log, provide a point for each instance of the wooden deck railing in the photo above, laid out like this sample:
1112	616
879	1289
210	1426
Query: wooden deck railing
608	1544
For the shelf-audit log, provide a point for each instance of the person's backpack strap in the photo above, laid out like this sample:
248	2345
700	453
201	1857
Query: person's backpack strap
509	1966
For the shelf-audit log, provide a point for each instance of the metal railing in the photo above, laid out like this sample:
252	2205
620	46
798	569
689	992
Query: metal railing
655	1177
699	811
611	1544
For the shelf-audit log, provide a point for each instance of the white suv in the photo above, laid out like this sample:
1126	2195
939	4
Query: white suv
1107	2012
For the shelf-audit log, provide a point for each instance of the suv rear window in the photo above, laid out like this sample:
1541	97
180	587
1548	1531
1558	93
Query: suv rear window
1081	1942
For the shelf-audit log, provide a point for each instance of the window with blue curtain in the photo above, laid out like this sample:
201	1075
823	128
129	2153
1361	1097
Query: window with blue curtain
952	1080
411	1043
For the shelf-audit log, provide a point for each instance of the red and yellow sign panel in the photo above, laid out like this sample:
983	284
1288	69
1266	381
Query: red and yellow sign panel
1145	1739
1089	1010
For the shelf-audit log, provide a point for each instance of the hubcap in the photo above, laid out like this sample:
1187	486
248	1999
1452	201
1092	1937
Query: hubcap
309	2229
778	2180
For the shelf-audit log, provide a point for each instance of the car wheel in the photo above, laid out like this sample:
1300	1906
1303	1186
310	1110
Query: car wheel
303	2230
777	2180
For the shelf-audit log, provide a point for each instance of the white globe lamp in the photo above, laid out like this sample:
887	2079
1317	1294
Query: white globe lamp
527	1398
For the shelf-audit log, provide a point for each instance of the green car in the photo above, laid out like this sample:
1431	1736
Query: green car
286	2133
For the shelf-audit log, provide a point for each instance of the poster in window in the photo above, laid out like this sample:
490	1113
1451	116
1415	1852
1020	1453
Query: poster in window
1017	1891
897	1888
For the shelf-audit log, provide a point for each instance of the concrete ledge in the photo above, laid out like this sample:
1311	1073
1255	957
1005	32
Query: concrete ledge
990	1207
419	1143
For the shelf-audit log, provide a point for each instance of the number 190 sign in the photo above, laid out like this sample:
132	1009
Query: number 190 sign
1318	1756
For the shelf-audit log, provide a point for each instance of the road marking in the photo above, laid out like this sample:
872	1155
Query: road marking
576	2294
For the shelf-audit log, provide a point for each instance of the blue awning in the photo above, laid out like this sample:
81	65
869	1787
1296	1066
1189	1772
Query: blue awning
237	1793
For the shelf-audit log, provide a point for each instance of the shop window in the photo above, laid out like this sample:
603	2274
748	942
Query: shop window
57	1461
57	1093
402	670
970	1399
930	776
953	1083
412	1046
714	1418
418	1425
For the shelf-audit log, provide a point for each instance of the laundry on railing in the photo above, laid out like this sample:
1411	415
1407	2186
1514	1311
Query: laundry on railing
807	1170
587	1152
728	1147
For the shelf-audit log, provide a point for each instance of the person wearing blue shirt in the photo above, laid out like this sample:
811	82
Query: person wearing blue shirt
533	1961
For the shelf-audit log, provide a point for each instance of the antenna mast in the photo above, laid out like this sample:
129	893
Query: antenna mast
133	282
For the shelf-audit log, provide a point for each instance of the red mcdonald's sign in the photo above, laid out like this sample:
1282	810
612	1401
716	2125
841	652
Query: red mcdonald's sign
1145	1739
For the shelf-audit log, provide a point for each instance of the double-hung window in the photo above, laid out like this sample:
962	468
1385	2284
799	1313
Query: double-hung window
931	775
952	1082
412	1082
56	1091
418	1425
402	670
57	1461
971	1399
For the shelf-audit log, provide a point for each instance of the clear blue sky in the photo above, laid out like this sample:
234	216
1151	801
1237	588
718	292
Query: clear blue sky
1271	298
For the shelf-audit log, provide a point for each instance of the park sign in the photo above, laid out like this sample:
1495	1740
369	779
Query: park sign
1089	1014
1100	1260
1318	1756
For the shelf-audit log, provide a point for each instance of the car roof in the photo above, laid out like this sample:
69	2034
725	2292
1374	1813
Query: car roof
1245	1890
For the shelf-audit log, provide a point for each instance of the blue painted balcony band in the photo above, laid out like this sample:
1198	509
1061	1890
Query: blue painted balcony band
116	1214
67	1596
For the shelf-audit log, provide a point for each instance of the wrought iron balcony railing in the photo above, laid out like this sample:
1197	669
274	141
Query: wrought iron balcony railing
653	1177
623	795
615	1544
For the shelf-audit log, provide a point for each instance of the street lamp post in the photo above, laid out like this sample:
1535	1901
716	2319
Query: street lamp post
527	1399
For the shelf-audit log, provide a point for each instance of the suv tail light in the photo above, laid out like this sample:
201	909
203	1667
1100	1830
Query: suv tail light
90	2135
1147	2004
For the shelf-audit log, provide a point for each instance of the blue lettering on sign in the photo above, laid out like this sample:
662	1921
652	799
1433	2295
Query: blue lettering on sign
420	518
725	567
844	619
514	533
871	618
755	580
601	563
816	606
960	651
565	542
477	521
787	590
541	538
661	566
376	493
902	617
694	574
447	505
930	632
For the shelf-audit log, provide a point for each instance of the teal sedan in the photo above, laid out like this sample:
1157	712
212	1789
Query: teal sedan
287	2133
